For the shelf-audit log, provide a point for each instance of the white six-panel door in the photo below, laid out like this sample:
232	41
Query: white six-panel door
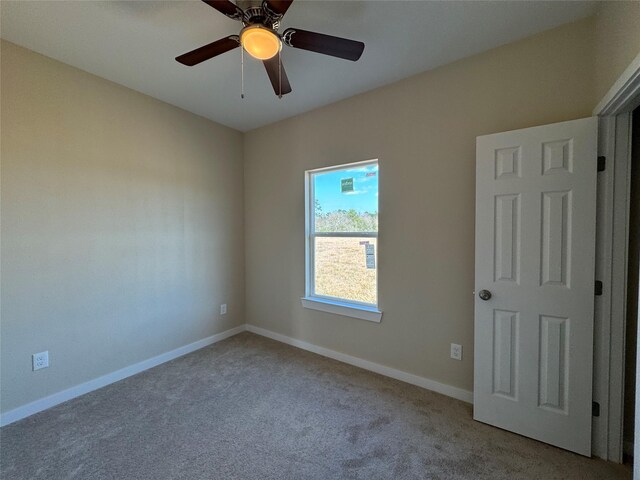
535	255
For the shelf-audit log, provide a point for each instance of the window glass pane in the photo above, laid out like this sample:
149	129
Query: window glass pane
346	267
346	200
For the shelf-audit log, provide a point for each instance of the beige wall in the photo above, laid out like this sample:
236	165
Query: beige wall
121	226
617	41
423	130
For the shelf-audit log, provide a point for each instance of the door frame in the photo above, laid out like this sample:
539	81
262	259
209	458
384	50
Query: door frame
614	143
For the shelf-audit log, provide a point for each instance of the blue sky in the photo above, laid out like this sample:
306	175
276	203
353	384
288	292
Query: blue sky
364	198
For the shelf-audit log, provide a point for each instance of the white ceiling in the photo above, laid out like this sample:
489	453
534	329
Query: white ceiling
134	44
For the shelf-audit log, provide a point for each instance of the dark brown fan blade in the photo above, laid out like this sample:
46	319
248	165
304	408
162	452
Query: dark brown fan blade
271	66
209	51
226	7
279	7
321	43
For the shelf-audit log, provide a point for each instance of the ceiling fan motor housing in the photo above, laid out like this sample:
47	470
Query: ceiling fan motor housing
259	13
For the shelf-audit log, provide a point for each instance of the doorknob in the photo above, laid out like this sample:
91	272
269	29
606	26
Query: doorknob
484	295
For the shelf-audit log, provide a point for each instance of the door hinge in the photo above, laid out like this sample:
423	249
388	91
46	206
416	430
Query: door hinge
595	409
598	288
602	163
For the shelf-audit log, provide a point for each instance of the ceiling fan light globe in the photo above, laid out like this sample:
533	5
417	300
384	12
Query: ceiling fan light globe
260	42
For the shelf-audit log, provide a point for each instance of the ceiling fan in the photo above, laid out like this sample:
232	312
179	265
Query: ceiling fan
260	38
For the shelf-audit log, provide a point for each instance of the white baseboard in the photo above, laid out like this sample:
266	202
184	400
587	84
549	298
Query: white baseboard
455	392
73	392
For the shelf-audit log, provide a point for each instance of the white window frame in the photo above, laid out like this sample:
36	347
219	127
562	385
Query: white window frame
340	306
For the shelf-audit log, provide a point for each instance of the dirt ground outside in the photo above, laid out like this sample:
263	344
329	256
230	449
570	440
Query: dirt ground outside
341	269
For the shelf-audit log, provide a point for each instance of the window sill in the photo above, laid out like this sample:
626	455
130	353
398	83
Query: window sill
362	312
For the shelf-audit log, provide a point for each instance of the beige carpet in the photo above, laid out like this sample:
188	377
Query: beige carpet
252	408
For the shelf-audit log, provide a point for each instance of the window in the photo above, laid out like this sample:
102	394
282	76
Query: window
342	240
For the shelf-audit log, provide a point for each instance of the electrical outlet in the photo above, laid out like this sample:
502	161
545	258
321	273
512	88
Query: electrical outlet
40	360
456	351
223	309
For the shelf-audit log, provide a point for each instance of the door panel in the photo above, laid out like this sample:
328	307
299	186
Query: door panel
505	353
507	238
535	253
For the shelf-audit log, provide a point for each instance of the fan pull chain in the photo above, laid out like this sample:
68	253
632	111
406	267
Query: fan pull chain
279	76
241	71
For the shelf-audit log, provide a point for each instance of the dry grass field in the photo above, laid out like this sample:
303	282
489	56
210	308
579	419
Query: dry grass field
341	269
